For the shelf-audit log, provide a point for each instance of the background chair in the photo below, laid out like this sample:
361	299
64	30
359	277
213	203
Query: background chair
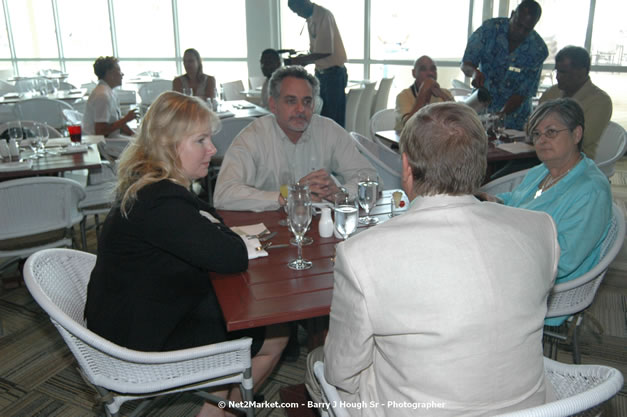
29	125
233	90
364	109
386	161
5	88
222	140
150	91
352	107
256	81
382	95
578	388
382	120
37	213
57	279
44	110
611	148
504	184
575	296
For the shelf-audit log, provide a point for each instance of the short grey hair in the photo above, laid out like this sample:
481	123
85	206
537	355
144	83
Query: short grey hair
566	109
295	71
446	147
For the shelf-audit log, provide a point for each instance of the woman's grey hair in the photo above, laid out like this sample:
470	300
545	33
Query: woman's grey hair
446	147
295	71
568	111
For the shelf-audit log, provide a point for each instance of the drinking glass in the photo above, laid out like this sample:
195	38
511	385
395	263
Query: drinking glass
42	132
34	141
299	212
188	91
75	134
285	179
367	192
346	214
498	127
16	133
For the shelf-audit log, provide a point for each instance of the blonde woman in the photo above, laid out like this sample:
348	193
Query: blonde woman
150	288
202	85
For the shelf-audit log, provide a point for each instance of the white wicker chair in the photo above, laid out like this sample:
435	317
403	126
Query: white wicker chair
352	107
364	109
574	297
150	91
380	101
611	148
44	110
383	159
382	120
57	279
505	183
578	388
37	213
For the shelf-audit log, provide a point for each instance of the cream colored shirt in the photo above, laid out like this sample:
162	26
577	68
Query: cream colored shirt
597	111
405	101
250	174
324	37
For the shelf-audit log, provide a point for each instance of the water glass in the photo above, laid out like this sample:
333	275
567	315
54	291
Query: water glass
285	180
299	212
346	214
368	192
188	91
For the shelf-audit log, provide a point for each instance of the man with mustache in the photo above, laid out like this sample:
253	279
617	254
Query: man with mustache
425	90
312	149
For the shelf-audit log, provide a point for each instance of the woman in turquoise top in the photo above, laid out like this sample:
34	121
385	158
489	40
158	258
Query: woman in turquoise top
568	186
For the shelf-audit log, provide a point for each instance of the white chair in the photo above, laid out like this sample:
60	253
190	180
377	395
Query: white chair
89	86
233	90
381	97
5	88
222	141
64	86
382	120
57	279
256	81
578	388
30	125
150	91
461	84
611	148
44	110
505	183
573	297
383	159
364	109
352	106
37	213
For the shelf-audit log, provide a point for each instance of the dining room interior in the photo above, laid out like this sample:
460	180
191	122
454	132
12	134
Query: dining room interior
47	54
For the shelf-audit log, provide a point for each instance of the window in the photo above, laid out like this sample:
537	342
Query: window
144	28
402	30
84	37
213	28
609	36
32	23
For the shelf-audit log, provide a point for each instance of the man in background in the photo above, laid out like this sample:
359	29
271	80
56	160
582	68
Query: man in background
505	56
270	61
327	52
425	90
572	65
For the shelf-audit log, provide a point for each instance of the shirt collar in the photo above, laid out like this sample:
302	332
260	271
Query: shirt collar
305	137
441	200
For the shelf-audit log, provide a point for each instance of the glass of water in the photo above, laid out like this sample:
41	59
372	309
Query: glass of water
346	214
367	192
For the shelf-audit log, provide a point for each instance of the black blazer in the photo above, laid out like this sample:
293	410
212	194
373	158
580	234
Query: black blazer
152	269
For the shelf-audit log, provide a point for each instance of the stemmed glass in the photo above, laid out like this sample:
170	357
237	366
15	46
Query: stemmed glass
16	133
367	191
299	212
498	127
42	132
285	179
346	214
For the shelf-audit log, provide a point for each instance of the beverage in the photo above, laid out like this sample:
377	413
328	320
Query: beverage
346	220
367	193
75	133
284	189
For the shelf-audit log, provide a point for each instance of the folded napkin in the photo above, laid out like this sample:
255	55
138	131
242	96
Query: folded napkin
513	133
74	149
12	95
16	166
516	147
251	243
225	114
54	142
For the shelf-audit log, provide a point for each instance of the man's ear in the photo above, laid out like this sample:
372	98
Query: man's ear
407	176
272	104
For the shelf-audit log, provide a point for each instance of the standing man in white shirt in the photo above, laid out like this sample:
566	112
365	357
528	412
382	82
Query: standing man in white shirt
311	148
327	52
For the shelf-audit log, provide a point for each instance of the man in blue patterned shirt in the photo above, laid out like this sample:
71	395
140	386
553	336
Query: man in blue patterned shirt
505	56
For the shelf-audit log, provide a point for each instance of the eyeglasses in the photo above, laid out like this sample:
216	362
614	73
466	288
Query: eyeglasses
549	134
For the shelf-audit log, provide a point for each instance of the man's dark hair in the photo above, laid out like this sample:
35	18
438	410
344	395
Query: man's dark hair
104	64
579	57
532	7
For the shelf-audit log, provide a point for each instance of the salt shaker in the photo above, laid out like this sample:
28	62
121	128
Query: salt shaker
325	226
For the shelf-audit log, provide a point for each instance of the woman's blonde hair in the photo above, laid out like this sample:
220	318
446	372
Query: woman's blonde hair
152	156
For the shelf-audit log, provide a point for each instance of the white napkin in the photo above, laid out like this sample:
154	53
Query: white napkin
74	149
16	166
251	244
53	142
516	147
